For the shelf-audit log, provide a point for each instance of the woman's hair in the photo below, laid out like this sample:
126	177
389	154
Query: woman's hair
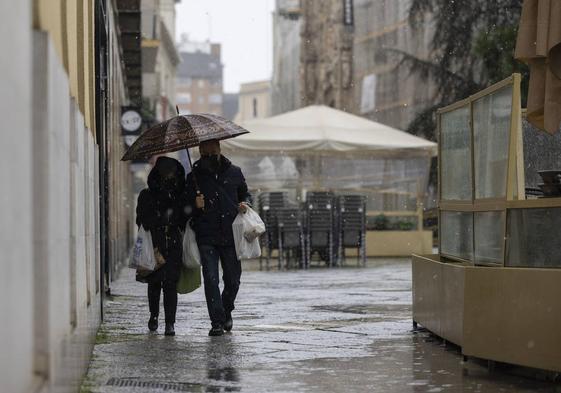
166	167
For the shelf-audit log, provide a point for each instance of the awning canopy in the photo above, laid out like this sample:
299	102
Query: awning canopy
323	129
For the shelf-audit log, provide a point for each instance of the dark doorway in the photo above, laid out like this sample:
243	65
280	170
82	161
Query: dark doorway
101	56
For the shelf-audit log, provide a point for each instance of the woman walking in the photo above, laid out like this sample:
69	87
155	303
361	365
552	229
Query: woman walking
162	210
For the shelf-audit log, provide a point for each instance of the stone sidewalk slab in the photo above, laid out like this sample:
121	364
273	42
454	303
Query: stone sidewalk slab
321	330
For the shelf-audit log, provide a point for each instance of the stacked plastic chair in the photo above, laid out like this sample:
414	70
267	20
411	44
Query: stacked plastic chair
269	205
351	225
320	227
291	244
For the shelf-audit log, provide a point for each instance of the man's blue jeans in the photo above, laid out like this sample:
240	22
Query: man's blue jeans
220	306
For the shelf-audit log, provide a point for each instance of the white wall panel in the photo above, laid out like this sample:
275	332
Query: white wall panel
63	202
16	235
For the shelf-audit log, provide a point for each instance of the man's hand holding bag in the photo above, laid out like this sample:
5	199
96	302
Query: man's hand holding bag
247	228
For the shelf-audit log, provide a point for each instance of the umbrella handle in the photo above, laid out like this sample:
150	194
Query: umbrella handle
199	194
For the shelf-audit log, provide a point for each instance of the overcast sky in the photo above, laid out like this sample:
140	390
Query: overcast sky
243	27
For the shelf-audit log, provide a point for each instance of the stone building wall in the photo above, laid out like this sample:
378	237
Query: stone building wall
320	60
384	90
326	57
285	86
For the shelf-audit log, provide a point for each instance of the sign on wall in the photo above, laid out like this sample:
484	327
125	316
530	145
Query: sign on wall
131	123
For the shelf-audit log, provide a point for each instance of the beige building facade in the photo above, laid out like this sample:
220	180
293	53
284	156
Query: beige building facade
160	58
66	212
254	101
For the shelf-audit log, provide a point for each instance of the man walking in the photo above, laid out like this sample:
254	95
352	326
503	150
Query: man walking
218	190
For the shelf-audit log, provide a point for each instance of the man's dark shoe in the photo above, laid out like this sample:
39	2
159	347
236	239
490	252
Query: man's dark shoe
216	331
229	324
170	331
153	323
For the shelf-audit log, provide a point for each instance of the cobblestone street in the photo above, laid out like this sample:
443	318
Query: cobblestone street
338	330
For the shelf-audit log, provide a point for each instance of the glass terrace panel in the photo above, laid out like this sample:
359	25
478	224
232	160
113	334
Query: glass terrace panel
491	132
456	181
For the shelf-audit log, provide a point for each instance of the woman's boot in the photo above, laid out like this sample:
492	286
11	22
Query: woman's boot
153	323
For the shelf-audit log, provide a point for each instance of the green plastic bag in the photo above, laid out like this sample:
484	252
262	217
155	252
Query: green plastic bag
189	280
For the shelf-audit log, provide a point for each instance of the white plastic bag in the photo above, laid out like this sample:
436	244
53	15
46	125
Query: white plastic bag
255	225
143	252
247	228
191	255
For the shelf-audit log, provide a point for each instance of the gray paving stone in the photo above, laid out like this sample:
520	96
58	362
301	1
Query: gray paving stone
338	330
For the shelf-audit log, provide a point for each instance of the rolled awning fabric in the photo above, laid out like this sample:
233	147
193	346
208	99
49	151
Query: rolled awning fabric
539	45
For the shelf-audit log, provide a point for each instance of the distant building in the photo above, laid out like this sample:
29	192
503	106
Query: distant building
335	53
199	78
383	90
230	105
254	101
159	57
326	54
285	86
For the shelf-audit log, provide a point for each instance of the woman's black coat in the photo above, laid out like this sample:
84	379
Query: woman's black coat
164	213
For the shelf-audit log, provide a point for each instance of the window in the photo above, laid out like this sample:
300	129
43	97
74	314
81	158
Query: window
215	99
201	100
184	98
201	83
187	82
255	107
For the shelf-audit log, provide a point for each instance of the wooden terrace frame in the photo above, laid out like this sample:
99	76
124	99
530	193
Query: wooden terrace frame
514	183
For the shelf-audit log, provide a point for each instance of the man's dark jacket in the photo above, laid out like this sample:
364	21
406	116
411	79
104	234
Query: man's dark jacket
222	191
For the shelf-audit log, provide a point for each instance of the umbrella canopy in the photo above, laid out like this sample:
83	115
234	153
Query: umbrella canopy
539	45
321	128
181	132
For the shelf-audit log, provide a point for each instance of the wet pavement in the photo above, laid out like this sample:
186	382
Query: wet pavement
338	330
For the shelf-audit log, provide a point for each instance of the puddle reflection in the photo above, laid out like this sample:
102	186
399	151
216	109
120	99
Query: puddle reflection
438	368
222	358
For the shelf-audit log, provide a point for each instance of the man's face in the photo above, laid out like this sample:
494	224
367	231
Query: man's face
209	148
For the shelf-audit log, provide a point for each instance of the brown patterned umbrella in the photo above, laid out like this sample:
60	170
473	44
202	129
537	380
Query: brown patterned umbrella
181	132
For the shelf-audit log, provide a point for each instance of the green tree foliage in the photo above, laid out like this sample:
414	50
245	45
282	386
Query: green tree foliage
472	48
